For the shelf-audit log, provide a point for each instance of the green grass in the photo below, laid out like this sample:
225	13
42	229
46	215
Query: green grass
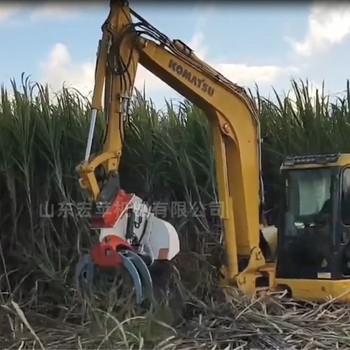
168	156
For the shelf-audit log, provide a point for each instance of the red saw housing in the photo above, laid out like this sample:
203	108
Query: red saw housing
122	202
105	254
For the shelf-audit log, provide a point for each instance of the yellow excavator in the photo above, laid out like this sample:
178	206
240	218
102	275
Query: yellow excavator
312	247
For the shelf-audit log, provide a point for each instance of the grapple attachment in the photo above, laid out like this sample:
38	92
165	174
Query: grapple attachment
131	238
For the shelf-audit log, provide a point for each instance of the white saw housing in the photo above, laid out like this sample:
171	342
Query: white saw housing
158	237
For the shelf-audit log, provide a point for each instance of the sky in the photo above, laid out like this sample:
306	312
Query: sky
265	44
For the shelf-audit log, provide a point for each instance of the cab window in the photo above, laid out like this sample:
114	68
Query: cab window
310	193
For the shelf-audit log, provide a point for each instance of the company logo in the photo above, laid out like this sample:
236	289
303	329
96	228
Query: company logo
193	79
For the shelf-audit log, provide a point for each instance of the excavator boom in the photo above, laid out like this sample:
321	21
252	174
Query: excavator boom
235	126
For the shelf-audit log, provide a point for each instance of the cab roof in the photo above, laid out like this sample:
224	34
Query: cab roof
316	161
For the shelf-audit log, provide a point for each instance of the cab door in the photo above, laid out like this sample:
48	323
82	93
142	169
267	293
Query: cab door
306	237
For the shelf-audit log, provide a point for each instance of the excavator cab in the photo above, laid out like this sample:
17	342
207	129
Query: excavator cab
314	234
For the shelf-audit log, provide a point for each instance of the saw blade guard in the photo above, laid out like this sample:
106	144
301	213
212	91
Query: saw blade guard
132	220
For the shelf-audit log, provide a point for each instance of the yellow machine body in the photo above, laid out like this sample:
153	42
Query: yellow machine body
235	125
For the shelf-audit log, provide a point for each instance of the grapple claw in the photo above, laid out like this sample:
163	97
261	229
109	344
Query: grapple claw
84	275
133	271
143	275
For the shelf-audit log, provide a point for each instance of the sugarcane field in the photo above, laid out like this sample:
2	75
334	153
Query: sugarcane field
131	219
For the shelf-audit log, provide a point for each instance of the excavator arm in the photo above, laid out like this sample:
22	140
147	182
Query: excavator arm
115	82
230	111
